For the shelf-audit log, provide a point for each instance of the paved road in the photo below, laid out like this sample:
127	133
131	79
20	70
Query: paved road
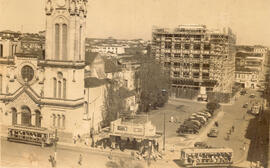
235	115
23	155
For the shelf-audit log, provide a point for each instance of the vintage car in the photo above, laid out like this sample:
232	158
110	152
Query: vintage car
213	132
252	96
200	145
245	105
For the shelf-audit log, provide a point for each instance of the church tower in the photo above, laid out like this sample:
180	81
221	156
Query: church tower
65	49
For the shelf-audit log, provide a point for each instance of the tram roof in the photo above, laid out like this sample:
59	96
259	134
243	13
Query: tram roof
206	150
26	128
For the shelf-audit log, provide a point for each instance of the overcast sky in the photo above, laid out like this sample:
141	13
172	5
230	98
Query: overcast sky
249	19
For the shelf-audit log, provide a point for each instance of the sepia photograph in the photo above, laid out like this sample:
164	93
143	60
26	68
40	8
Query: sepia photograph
134	83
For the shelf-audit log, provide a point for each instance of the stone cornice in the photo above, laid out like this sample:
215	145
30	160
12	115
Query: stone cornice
62	64
40	100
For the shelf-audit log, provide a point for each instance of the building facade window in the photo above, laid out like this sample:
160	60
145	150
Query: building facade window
14	116
80	45
58	120
38	118
64	88
26	116
54	118
59	89
54	87
177	55
197	47
63	121
1	50
177	46
64	41
57	41
1	83
168	45
186	46
27	73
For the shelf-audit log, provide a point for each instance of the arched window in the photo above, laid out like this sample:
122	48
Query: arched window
27	73
1	83
58	120
64	88
64	41
57	40
86	107
1	50
80	39
63	121
26	116
59	89
54	87
14	116
38	118
54	117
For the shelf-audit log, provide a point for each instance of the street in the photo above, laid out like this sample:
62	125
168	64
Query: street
245	133
35	156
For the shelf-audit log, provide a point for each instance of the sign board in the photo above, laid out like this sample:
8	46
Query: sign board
203	90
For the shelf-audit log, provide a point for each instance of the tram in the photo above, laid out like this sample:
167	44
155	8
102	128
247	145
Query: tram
206	157
30	135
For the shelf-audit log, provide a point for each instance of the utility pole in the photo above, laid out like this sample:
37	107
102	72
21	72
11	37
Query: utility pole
164	121
55	146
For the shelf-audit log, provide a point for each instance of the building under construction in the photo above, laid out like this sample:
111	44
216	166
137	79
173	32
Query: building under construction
196	57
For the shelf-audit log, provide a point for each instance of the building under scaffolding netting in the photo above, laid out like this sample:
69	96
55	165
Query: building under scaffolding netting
196	57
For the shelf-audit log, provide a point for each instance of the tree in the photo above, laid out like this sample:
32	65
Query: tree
152	81
212	106
115	102
113	105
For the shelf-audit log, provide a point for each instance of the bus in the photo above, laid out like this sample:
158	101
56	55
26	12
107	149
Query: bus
30	135
206	157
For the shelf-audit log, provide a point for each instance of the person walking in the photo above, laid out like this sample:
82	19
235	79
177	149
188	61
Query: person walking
80	160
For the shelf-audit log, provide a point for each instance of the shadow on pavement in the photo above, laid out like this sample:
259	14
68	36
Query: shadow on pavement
258	133
178	162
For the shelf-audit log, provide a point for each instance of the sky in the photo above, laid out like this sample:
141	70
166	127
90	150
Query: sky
128	19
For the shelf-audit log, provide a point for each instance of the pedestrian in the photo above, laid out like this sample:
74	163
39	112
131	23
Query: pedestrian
171	119
74	139
80	160
232	128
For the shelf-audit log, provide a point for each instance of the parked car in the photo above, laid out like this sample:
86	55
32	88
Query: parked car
200	116
200	145
243	92
202	122
252	96
207	113
213	132
194	122
203	114
245	105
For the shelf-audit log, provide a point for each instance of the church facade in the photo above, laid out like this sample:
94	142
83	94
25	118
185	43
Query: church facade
49	91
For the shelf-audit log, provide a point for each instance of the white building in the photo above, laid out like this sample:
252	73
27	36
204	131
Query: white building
53	91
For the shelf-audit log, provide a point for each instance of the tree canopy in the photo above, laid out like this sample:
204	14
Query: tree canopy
153	84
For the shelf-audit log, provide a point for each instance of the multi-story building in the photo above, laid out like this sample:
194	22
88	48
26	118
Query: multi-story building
196	57
247	78
53	91
251	59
